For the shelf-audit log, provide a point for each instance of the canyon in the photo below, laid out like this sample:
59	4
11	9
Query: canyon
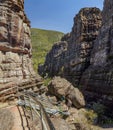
79	68
84	56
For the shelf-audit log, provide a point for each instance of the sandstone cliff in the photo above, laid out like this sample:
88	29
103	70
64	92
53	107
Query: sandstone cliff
71	56
85	55
15	47
98	77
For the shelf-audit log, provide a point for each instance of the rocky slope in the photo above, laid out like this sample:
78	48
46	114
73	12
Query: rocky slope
85	55
15	47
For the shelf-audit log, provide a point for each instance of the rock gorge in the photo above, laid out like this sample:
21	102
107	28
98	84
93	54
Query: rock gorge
71	56
16	71
84	56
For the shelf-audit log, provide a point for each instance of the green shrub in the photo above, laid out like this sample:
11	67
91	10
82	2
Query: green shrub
46	81
91	116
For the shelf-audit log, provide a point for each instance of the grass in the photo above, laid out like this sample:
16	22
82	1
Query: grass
42	41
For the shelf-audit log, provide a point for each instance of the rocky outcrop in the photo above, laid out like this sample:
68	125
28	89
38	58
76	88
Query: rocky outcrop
19	118
85	55
98	77
14	25
71	56
61	88
15	46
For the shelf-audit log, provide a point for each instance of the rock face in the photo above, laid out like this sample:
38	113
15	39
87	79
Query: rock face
71	56
98	77
15	44
14	25
85	56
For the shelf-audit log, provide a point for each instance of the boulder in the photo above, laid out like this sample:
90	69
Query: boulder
63	89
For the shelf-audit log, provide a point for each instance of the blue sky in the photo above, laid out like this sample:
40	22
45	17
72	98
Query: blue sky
56	14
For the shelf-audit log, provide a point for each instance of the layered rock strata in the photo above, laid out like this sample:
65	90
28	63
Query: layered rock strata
98	77
15	45
71	56
85	56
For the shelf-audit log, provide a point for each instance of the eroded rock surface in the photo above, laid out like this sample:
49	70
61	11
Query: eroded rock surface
61	88
98	77
85	55
14	25
15	47
71	56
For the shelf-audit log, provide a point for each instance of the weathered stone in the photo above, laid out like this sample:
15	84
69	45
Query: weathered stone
61	88
14	25
60	124
87	61
82	119
15	47
98	78
71	57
